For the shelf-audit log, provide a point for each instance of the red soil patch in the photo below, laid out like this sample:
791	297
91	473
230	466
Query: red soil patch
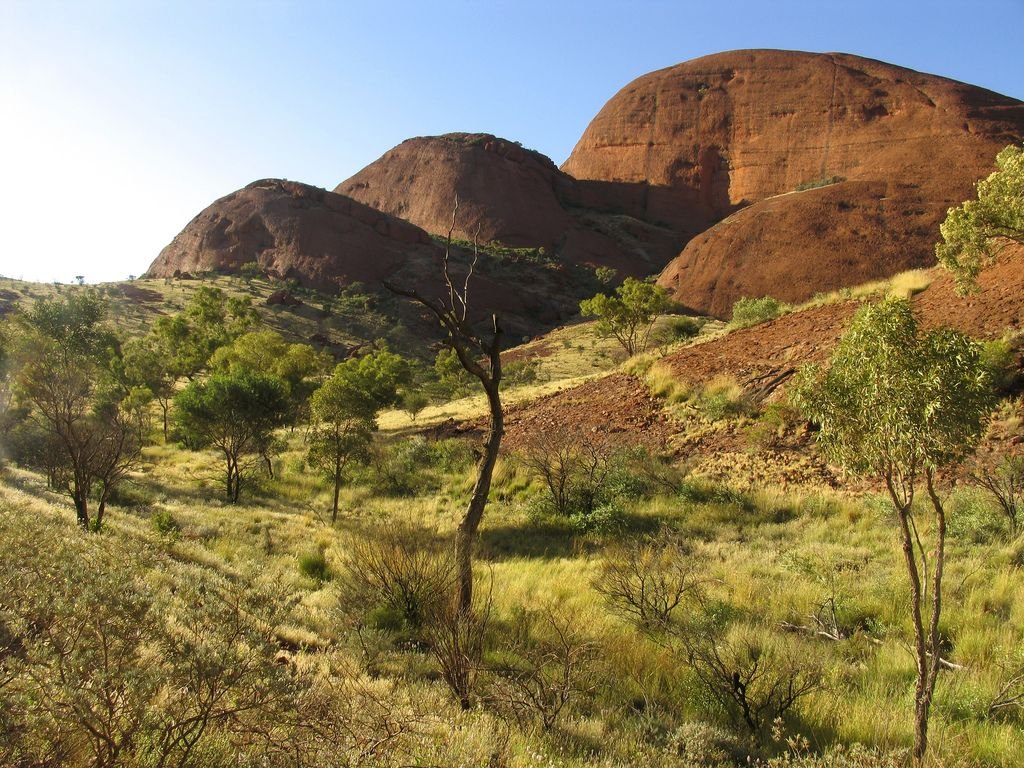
619	406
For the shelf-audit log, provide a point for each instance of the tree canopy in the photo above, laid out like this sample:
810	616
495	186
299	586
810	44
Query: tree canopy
344	412
630	314
80	426
235	413
973	232
899	404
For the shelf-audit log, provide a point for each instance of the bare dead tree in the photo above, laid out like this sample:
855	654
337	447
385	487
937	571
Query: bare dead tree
546	670
452	311
1004	482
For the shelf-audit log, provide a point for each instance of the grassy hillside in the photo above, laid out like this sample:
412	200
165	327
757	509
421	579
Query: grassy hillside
268	604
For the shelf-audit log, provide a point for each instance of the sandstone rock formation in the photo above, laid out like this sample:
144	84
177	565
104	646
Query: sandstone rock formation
293	230
509	195
705	138
326	240
794	245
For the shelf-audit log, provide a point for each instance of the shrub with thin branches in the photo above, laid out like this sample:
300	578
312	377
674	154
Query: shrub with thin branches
547	665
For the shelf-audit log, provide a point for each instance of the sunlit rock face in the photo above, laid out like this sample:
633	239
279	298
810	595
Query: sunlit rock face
701	140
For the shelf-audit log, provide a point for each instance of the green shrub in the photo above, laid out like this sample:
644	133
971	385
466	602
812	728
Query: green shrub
451	455
701	744
398	469
747	312
973	517
771	426
397	576
163	523
822	182
1000	358
607	517
313	565
677	328
521	372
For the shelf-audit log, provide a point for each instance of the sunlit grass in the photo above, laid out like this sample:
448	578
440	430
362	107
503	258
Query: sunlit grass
777	554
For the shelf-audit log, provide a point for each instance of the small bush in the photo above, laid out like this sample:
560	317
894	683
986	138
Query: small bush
701	744
547	664
607	517
974	517
521	372
1000	359
397	469
747	312
723	397
451	455
313	565
826	181
771	427
676	328
400	569
163	523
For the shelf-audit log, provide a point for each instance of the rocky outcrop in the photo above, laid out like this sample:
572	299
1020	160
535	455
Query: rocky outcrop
509	195
701	140
325	240
293	230
795	245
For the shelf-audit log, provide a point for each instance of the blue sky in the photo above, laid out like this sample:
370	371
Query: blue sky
122	120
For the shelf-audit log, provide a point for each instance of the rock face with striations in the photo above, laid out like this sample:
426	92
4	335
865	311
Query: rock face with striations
293	230
509	195
701	140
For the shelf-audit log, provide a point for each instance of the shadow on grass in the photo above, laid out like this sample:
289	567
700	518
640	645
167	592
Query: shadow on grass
555	538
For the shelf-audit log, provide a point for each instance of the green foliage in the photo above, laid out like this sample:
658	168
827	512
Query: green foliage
209	321
344	413
163	523
362	386
588	479
748	312
520	373
895	401
630	314
723	398
973	231
110	668
313	565
401	568
455	380
606	275
677	328
237	414
1000	358
413	402
771	425
899	404
822	182
250	271
87	433
401	468
299	366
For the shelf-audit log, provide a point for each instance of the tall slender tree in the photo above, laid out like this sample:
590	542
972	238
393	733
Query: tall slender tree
479	353
899	405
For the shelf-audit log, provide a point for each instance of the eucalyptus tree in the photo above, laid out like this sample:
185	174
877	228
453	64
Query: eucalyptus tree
974	231
66	356
899	404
